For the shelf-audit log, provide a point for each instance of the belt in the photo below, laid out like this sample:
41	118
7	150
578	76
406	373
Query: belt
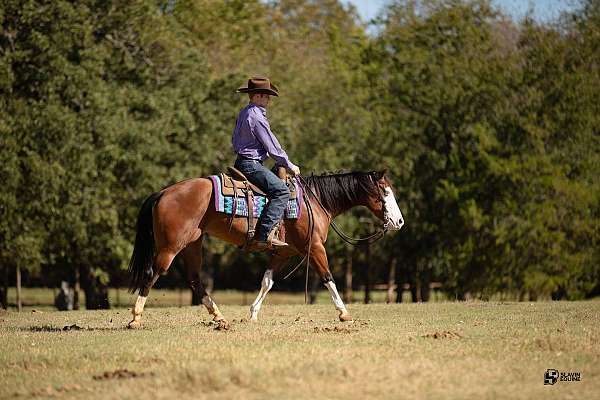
245	158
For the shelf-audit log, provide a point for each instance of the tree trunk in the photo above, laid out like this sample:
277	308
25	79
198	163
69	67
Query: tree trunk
96	293
19	300
425	288
313	287
96	298
368	275
76	289
391	281
399	291
415	290
348	297
4	290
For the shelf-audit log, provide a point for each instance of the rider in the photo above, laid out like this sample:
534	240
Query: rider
253	143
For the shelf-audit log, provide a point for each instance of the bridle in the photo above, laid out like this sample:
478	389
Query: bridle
370	239
346	238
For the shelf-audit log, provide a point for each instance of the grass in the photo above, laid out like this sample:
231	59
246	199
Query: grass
43	298
416	351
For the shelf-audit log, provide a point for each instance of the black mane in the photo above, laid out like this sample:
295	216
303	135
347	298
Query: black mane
339	192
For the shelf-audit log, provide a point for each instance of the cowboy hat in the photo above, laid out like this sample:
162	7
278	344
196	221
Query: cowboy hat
259	84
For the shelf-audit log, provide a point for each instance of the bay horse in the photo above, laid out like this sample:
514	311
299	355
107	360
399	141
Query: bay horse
175	220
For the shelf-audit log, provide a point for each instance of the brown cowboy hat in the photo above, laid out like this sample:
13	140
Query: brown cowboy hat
259	84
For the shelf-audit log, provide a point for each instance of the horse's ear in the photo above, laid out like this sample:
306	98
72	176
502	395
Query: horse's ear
379	174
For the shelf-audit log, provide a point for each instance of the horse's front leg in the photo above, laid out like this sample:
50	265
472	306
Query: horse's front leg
266	284
319	261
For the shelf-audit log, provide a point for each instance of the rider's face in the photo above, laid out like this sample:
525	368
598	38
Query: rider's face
261	99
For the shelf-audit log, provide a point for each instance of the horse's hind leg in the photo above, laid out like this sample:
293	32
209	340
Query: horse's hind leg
161	264
192	259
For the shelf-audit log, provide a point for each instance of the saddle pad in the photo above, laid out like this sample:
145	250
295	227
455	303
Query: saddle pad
225	204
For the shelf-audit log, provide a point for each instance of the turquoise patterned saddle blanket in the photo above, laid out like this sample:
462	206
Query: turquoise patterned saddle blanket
225	203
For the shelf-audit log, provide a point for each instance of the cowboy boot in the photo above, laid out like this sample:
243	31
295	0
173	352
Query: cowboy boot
264	245
271	243
273	237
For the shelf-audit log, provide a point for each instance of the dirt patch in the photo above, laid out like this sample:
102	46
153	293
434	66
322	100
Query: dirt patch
121	374
222	325
45	328
73	327
335	329
443	335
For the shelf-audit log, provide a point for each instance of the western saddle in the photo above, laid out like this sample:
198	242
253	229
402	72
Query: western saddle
234	183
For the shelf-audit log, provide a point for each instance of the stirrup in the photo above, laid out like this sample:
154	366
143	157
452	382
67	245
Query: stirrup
269	244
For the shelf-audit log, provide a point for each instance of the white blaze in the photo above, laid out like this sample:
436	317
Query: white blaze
394	213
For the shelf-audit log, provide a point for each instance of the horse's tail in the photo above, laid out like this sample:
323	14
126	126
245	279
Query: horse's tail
142	259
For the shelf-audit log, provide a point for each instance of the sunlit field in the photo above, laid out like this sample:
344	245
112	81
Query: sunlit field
43	298
391	351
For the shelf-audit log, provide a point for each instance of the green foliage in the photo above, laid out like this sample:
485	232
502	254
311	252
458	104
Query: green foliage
489	128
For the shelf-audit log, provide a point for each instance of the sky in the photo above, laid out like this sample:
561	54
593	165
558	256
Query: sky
543	10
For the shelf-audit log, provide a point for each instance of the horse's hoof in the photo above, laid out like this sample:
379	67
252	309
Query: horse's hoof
222	325
254	318
345	317
134	325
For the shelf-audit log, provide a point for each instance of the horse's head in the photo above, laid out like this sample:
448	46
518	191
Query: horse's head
384	205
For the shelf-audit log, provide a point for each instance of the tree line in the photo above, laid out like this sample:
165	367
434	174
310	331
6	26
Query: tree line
489	128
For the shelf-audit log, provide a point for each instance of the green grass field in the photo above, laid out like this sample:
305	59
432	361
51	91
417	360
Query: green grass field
416	351
43	298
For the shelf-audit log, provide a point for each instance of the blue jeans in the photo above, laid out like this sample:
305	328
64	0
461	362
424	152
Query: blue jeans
275	188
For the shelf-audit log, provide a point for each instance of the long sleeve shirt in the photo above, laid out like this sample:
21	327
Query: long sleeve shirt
252	137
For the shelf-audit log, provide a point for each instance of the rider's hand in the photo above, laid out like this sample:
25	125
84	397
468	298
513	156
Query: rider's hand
296	170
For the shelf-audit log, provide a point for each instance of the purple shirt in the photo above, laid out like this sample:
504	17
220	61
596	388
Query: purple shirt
252	137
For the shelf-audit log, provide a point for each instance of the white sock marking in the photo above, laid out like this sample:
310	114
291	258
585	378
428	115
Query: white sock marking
335	296
139	305
265	286
209	304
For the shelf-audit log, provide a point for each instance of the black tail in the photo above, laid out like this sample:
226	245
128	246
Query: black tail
142	259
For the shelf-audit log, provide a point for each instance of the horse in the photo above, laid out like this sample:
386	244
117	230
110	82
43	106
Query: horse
176	219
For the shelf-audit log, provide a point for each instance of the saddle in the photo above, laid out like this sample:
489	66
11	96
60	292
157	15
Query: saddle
234	183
